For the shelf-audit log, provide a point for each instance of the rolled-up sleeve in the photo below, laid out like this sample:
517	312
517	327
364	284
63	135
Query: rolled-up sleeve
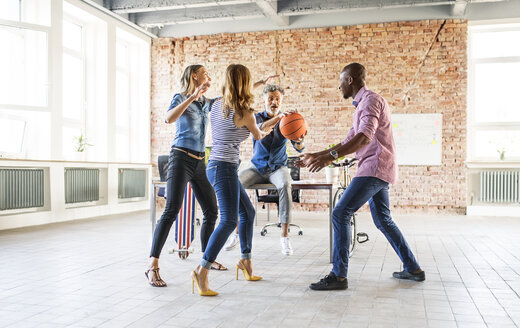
176	101
350	135
369	118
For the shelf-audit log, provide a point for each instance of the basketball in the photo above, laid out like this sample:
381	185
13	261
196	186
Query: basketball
293	126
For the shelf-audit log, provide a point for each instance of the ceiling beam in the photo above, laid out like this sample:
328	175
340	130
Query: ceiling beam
307	7
139	6
459	8
270	9
198	15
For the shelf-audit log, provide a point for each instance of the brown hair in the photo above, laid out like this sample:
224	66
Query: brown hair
237	90
187	78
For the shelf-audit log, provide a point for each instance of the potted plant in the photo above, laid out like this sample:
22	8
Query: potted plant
502	153
332	172
80	145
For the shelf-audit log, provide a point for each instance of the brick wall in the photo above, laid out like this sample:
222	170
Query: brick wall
419	67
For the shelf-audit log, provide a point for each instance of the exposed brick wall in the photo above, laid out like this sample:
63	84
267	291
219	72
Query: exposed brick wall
419	67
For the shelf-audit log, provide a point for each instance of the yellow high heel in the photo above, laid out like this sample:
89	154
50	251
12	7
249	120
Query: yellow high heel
246	274
194	281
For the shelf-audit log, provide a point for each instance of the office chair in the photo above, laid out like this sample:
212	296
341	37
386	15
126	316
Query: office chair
162	166
272	197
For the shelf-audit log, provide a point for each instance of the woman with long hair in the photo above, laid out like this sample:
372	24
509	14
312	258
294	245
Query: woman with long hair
189	111
232	120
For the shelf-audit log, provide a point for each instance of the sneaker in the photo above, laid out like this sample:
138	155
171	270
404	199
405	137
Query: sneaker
231	242
409	276
286	246
330	282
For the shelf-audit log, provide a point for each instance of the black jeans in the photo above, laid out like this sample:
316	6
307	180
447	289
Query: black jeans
183	169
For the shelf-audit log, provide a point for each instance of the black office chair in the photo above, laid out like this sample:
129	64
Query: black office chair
272	197
162	166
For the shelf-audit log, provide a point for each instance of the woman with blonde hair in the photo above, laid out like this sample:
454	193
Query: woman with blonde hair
189	111
232	120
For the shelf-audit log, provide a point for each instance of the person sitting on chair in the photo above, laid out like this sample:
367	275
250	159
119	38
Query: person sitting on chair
269	161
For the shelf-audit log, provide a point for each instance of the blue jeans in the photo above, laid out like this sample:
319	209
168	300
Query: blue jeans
233	201
359	191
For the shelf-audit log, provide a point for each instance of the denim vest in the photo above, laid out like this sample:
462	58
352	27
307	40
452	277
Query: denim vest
190	127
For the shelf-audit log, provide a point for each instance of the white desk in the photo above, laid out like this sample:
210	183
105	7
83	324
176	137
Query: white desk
307	185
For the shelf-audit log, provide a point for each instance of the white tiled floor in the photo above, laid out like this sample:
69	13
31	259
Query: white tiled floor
90	274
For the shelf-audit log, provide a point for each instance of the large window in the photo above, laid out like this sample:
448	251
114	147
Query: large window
132	97
84	77
494	112
73	87
26	11
24	79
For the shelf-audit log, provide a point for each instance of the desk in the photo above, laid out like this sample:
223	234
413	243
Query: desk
297	185
307	185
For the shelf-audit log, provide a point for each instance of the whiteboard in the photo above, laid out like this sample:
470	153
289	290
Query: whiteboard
418	138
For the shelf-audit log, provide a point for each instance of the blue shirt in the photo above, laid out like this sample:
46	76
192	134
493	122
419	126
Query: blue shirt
270	153
190	127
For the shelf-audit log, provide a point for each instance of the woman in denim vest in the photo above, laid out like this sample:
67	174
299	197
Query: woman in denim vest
189	111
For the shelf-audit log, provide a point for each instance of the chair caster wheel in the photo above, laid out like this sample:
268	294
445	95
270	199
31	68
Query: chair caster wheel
300	233
263	232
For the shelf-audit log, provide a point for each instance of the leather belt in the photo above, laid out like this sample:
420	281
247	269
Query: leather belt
189	154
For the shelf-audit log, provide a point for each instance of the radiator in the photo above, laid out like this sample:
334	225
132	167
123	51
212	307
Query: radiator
81	185
21	188
500	186
132	183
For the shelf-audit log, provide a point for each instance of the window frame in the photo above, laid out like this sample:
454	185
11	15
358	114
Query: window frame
473	127
81	122
25	109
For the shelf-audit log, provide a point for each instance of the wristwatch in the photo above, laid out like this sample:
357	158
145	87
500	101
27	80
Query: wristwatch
334	154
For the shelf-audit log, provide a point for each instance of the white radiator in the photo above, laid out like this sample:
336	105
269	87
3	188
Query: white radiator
500	186
81	185
21	188
132	183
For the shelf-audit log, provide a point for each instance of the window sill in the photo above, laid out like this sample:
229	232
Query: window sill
511	164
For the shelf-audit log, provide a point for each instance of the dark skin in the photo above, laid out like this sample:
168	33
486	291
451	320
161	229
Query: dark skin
350	82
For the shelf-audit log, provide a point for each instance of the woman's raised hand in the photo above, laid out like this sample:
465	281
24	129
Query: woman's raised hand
201	90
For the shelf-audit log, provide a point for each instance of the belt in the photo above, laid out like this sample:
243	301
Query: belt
189	154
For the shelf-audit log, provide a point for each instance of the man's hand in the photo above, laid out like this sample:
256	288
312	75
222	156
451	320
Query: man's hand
300	139
264	81
289	112
313	161
303	159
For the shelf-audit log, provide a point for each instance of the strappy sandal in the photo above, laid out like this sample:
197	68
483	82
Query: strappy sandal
157	278
217	266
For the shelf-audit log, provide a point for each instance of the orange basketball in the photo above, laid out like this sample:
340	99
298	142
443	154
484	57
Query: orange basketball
293	126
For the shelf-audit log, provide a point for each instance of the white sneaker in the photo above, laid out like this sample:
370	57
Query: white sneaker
286	246
231	242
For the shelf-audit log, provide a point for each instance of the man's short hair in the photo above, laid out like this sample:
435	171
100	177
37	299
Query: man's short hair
356	71
272	88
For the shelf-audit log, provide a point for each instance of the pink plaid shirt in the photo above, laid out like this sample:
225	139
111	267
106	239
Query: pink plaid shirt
372	118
